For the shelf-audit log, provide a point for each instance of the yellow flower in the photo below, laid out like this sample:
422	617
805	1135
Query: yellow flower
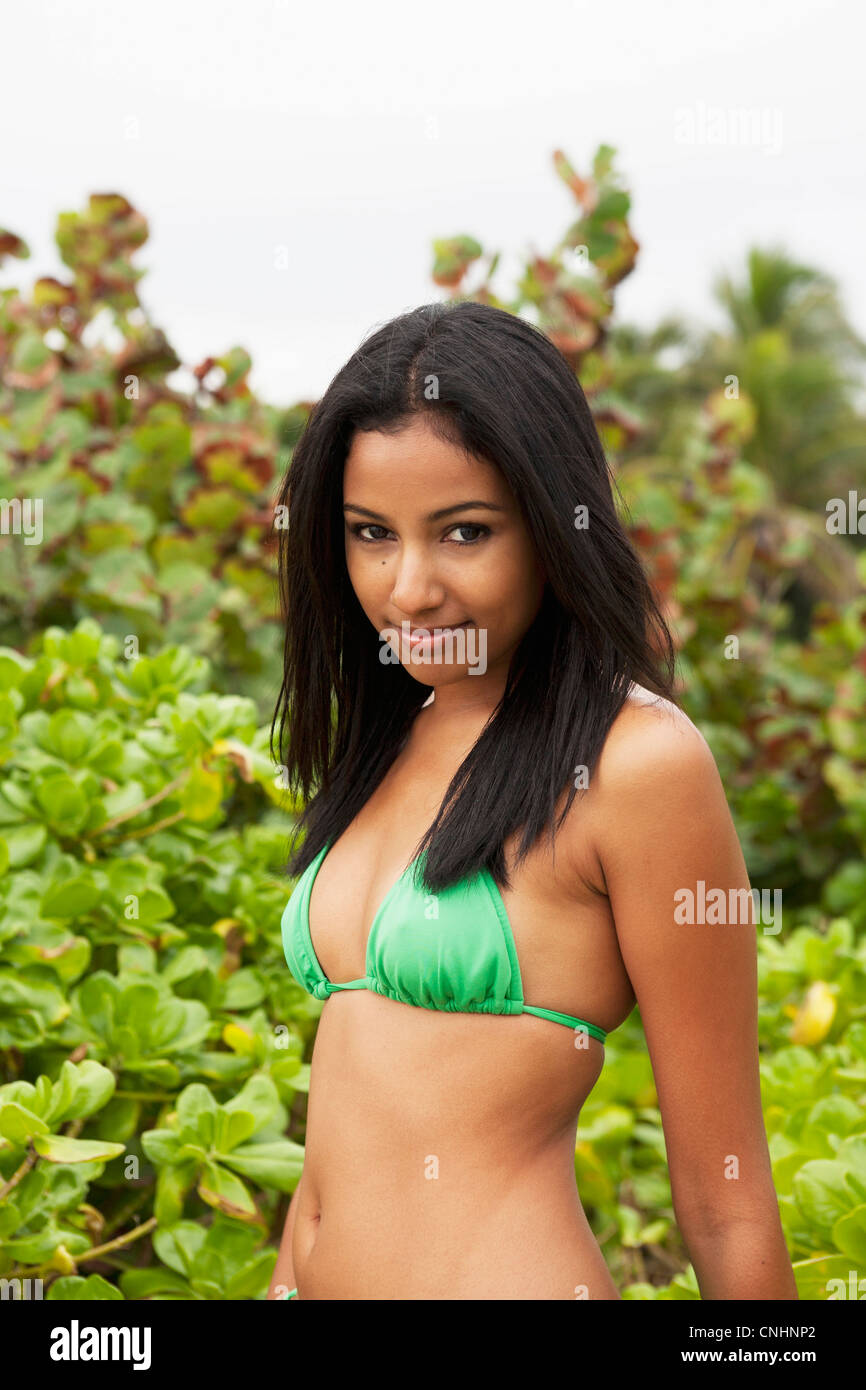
815	1015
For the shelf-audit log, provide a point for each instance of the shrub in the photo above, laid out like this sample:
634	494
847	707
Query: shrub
152	1038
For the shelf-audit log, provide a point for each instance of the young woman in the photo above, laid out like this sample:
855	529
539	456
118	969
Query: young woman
502	801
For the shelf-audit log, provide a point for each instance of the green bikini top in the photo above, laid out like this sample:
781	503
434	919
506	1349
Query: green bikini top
451	951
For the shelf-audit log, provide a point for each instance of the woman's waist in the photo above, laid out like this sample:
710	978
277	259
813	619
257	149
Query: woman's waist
450	1241
428	1134
424	1174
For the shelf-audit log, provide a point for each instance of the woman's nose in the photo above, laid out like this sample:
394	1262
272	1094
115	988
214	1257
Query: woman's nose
416	586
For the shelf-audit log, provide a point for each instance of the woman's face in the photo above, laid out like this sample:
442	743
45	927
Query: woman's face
435	539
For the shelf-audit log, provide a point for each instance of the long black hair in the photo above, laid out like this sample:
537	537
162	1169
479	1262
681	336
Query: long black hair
505	393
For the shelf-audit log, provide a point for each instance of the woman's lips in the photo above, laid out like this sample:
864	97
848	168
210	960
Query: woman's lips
422	635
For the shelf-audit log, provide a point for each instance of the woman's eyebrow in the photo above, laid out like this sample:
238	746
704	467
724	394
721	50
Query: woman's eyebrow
433	516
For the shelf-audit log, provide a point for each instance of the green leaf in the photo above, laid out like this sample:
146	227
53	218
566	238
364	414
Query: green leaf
69	735
161	1145
276	1163
825	1278
44	1245
193	1104
822	1194
83	1089
63	803
260	1097
232	1128
849	1235
179	1244
612	205
173	1182
59	1148
222	1190
78	1289
18	1124
160	1073
156	1284
71	898
24	843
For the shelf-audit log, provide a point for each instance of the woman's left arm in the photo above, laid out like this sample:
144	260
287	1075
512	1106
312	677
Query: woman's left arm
665	840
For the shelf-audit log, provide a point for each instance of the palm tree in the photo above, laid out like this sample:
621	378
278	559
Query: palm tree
794	353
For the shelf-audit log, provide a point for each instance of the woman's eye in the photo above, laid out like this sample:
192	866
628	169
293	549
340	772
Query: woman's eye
368	526
471	526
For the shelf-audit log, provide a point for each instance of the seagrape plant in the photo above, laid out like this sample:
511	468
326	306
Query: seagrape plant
127	497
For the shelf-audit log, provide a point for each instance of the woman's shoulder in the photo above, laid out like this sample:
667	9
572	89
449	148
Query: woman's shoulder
649	733
653	752
654	775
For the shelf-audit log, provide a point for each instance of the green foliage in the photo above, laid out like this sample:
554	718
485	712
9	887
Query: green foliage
812	1038
785	368
140	901
791	347
158	516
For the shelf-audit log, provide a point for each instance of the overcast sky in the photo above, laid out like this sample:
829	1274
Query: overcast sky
295	162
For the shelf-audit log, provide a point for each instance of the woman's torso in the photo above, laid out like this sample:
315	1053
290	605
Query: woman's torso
440	1146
